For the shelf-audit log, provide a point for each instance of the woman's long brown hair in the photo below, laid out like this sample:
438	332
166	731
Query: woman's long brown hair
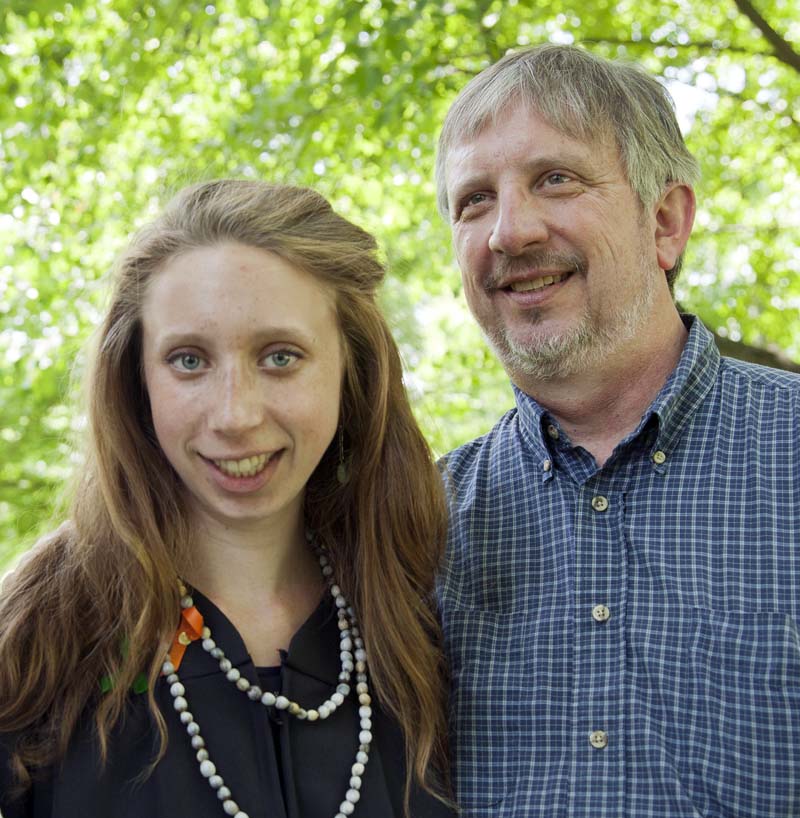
109	575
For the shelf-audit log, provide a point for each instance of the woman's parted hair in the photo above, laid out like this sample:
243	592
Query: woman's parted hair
110	575
586	97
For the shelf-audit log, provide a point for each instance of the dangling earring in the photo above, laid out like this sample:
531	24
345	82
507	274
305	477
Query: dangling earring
341	470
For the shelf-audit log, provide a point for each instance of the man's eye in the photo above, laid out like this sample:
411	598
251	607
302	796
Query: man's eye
475	199
186	361
556	179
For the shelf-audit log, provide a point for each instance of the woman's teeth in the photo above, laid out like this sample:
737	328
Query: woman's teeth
248	467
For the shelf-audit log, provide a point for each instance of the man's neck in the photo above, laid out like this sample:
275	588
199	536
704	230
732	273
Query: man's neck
599	407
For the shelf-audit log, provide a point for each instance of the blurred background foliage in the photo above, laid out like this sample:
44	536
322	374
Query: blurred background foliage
107	106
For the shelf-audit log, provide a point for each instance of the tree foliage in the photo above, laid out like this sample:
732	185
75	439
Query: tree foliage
108	105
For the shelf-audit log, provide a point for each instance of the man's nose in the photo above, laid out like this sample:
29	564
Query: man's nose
238	402
520	223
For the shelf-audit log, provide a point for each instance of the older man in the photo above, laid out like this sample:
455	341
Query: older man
622	593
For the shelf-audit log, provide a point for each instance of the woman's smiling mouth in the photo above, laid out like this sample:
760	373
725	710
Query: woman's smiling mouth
243	467
247	467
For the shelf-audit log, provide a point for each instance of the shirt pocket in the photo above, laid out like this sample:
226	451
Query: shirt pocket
489	692
744	737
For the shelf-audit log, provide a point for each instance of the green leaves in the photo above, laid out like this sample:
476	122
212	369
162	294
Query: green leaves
106	107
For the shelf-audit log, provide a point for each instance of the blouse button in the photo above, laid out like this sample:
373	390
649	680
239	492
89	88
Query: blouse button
599	503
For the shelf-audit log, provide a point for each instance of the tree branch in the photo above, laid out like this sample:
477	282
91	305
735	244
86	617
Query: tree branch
694	45
782	48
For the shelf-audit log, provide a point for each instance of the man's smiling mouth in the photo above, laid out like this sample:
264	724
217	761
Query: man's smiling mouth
536	283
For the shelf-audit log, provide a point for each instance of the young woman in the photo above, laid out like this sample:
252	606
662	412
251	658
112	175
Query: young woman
236	618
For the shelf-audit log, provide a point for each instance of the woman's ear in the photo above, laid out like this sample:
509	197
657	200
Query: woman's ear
674	217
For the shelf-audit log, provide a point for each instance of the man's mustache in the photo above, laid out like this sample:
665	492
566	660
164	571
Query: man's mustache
511	268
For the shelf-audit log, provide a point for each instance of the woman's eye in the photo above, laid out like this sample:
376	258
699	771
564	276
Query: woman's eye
186	361
281	359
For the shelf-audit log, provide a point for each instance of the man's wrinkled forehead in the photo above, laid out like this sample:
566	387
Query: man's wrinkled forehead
466	151
473	115
553	113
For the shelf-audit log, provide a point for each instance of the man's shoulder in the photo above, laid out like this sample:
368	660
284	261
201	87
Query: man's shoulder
757	376
496	438
470	469
751	396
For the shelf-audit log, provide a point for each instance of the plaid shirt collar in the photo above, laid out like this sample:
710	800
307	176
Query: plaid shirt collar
672	408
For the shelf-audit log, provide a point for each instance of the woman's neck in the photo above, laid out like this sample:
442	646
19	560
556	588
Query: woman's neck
266	581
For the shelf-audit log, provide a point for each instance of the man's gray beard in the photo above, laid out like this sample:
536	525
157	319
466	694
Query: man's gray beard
577	349
550	358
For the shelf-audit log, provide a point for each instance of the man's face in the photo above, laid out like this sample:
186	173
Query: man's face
557	256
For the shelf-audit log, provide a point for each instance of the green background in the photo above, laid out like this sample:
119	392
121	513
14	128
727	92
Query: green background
108	107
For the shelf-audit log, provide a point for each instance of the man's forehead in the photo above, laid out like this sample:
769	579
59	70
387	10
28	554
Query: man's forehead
524	129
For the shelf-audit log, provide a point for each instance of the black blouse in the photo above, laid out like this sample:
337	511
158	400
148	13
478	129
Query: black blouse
309	779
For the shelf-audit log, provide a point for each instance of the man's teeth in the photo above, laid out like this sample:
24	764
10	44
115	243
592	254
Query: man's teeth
536	283
242	468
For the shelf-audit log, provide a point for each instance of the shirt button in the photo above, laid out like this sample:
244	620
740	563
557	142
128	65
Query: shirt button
600	613
552	431
599	503
659	457
547	465
598	739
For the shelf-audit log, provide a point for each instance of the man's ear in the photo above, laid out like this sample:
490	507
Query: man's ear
674	216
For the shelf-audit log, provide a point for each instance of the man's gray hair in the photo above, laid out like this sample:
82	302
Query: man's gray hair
585	97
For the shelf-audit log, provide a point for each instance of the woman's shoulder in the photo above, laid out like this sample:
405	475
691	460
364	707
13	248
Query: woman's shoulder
13	802
63	788
7	743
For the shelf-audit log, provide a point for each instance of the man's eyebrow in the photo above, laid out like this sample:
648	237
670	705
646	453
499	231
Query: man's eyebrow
481	176
476	180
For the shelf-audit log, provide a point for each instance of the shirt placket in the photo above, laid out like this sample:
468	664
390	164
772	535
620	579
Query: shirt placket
599	731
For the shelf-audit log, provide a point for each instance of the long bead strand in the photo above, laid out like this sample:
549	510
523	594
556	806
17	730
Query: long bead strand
353	659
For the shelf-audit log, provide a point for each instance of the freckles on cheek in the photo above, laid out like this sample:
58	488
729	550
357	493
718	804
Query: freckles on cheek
164	417
174	414
170	406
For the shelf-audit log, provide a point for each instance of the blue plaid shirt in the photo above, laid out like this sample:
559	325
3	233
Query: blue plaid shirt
624	641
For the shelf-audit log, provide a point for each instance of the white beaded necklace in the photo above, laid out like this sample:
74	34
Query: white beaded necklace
353	658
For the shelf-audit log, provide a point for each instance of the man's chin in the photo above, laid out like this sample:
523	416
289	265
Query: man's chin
549	358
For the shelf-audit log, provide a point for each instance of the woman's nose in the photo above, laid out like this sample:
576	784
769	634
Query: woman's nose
237	402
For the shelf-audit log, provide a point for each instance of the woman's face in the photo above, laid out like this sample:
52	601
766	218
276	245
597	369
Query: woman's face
243	363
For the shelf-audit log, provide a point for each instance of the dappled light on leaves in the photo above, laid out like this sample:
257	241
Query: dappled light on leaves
107	107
